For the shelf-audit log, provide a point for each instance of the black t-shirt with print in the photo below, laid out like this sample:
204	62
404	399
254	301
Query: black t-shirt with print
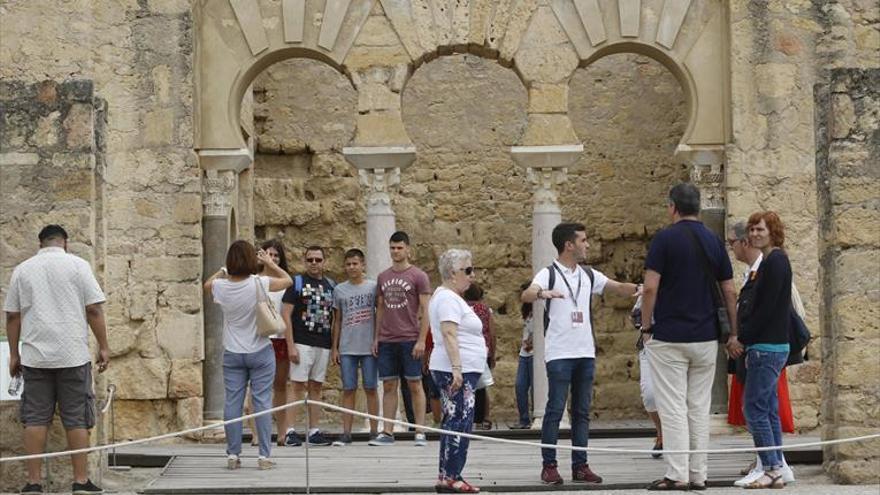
312	310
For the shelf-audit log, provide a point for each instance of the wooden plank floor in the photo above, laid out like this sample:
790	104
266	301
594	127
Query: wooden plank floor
403	467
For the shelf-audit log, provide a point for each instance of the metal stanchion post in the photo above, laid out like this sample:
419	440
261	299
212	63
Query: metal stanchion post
308	426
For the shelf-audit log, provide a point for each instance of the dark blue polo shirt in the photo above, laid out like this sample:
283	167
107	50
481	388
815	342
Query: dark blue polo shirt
684	311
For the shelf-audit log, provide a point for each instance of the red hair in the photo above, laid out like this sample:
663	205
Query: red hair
774	226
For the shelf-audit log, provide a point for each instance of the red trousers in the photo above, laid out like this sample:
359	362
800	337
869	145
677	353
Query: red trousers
735	404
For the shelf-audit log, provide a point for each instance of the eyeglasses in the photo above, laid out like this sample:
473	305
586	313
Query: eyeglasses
468	270
314	260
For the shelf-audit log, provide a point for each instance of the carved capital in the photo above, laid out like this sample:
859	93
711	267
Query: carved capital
706	172
379	182
218	191
545	182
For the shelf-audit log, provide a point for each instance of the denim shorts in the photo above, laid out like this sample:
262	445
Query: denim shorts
350	365
397	356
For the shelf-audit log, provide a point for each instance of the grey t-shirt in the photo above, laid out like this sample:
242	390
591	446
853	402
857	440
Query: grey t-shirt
357	308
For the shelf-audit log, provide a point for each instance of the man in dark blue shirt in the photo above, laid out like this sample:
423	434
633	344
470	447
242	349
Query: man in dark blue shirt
681	340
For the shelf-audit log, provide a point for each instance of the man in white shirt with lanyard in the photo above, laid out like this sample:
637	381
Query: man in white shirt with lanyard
569	344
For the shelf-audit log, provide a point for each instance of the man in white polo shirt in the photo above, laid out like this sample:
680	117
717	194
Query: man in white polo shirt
53	298
569	345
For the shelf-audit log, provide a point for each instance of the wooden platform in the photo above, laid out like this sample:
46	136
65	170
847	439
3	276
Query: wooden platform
403	467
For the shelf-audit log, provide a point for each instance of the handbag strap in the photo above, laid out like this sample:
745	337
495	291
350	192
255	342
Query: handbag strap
707	268
261	294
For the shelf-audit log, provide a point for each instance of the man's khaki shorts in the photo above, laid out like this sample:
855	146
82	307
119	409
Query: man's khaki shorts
69	388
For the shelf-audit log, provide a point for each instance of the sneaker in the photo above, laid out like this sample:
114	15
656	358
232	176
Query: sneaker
583	474
86	488
233	462
318	438
421	440
291	439
787	474
754	475
550	475
264	464
343	440
382	439
32	489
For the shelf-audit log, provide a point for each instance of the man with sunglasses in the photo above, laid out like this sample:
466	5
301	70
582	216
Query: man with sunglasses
307	310
402	319
569	345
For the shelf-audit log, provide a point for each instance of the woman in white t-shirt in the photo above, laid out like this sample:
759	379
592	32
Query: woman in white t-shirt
457	361
247	357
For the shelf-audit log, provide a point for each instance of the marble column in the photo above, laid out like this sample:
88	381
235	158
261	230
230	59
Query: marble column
219	196
707	173
546	168
379	170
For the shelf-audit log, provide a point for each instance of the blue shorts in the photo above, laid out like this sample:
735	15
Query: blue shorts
397	356
350	365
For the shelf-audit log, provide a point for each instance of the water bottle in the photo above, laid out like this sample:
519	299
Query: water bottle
636	314
15	385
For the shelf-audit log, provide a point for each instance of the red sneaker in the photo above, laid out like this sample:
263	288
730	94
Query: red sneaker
583	474
550	475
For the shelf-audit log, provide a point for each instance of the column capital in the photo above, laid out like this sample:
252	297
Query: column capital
706	172
218	188
237	159
379	157
541	157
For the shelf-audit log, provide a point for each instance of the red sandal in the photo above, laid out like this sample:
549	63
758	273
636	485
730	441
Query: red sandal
455	486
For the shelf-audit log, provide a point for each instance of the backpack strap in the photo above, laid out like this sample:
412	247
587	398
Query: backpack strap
551	281
298	284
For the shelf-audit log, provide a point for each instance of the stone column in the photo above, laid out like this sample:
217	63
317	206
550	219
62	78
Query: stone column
220	192
379	169
545	169
707	173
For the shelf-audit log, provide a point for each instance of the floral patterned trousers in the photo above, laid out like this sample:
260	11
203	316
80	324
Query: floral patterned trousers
458	415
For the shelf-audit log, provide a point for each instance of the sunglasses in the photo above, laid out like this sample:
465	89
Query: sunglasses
468	270
314	260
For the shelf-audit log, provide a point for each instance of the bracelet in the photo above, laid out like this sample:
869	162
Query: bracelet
456	368
538	294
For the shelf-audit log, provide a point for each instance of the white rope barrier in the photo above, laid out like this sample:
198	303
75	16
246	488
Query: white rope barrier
471	436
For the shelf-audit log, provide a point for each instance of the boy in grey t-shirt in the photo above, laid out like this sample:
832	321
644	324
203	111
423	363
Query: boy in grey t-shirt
354	327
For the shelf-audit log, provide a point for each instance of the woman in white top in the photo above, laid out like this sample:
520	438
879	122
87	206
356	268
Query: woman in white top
458	360
247	357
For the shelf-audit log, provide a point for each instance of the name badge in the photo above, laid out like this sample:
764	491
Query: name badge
577	319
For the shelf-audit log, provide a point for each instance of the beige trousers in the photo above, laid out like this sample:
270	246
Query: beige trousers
683	374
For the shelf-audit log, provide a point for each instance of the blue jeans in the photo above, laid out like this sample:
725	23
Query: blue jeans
563	374
258	368
761	403
458	415
350	365
523	388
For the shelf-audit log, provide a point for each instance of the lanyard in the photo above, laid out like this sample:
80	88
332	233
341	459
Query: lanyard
574	296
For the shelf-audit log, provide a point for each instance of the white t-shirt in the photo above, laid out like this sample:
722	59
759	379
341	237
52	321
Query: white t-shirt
51	291
564	338
238	300
446	305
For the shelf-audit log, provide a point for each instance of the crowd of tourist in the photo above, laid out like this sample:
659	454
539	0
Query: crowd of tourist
437	347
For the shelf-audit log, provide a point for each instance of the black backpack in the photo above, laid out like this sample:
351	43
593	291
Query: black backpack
551	281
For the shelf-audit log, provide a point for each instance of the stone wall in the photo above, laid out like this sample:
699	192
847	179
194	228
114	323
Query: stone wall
463	113
142	228
848	111
51	136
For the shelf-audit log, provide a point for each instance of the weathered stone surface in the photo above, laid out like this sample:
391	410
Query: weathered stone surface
189	414
144	418
166	269
139	379
185	380
180	334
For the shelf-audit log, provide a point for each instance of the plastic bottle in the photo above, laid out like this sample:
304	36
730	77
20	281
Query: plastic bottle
15	385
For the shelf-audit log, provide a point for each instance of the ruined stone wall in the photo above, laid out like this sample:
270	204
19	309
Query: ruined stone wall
51	137
141	225
847	113
463	114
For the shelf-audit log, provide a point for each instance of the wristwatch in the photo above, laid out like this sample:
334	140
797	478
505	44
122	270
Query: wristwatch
647	330
538	295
